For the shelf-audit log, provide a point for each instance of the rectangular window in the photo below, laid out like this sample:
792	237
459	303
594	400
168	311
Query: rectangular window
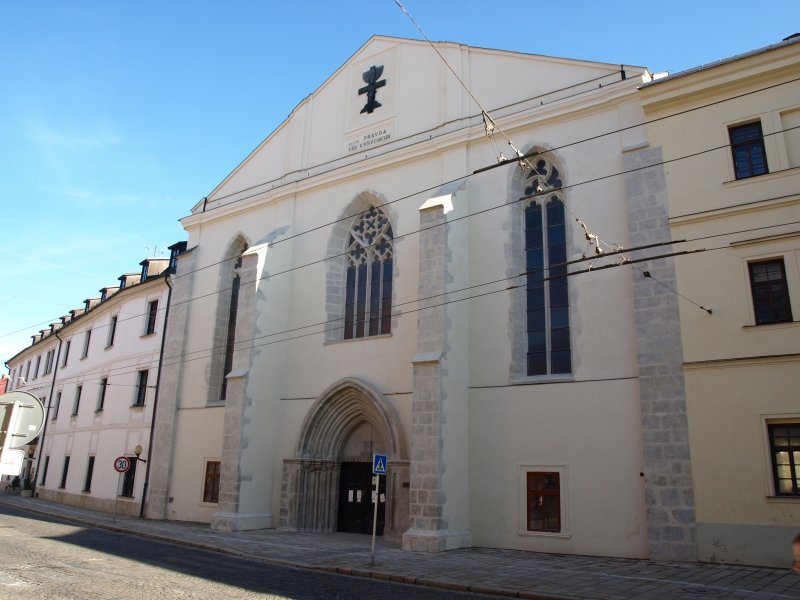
152	313
86	343
36	370
784	441
66	353
128	478
47	362
87	484
211	486
101	396
770	293
76	405
27	370
55	408
747	147
44	471
141	389
112	330
543	501
64	472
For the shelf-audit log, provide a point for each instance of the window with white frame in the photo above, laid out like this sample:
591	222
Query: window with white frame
747	148
770	291
784	442
87	338
152	314
543	500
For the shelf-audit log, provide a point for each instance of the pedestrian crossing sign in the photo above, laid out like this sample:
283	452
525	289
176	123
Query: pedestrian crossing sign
379	463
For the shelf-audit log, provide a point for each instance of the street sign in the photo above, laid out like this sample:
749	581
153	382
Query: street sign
21	419
122	464
379	464
12	462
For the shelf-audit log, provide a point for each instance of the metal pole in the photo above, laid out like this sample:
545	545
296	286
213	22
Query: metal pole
375	519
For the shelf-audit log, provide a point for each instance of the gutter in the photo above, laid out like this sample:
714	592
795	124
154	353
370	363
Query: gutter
49	405
155	400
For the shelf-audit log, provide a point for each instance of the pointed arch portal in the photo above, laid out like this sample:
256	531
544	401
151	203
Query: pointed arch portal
347	424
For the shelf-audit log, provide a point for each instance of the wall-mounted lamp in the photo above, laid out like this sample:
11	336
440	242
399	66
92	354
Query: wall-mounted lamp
138	451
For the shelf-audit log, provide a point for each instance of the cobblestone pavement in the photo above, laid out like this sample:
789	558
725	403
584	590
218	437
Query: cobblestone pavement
44	558
500	572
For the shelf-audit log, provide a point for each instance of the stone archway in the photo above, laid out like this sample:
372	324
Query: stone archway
310	486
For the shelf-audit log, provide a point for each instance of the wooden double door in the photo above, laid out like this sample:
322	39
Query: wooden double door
355	498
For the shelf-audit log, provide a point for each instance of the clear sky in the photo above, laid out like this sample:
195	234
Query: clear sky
117	117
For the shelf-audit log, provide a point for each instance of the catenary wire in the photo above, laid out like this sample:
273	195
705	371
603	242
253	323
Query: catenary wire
211	352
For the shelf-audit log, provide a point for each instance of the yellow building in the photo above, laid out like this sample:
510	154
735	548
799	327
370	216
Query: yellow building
730	139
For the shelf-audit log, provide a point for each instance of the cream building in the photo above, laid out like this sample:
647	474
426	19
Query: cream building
353	288
729	135
96	372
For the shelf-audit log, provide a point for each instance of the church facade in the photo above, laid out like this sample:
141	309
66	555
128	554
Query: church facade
383	275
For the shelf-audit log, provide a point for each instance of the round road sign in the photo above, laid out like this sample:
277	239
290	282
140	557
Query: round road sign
28	417
122	464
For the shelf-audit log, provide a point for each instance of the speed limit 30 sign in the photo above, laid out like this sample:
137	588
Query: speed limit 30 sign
122	464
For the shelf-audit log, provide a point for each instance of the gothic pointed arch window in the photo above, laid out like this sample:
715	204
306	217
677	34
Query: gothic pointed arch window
549	349
368	283
230	330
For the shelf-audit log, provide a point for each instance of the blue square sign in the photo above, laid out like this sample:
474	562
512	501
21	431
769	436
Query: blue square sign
379	464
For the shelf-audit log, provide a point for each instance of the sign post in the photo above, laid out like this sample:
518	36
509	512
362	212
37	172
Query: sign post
121	465
379	464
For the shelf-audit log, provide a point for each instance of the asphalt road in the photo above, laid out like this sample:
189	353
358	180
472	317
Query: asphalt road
46	559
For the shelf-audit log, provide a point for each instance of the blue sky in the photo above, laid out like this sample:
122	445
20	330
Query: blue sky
117	117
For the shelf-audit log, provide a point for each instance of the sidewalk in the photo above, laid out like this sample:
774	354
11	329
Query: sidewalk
509	573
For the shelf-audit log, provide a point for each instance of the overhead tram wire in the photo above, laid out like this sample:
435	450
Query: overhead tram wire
89	377
210	352
521	199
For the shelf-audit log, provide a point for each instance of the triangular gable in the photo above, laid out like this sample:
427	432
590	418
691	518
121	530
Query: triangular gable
391	89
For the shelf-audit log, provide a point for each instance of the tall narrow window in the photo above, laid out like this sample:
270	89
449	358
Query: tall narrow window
152	313
112	330
230	338
76	405
44	471
86	341
87	483
368	286
141	389
784	442
66	353
57	405
101	395
129	478
211	487
36	370
771	302
747	147
64	472
547	290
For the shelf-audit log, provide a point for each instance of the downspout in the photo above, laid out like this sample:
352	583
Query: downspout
49	405
155	400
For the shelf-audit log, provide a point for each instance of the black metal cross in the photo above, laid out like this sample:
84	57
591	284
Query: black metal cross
371	79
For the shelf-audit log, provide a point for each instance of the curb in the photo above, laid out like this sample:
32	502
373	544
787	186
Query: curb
347	571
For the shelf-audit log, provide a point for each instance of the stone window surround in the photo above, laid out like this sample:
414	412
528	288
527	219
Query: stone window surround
522	502
769	481
336	272
790	265
515	265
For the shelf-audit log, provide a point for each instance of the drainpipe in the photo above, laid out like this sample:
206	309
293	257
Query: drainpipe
49	405
155	400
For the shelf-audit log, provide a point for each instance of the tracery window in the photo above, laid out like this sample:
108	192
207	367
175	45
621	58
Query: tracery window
547	290
368	288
